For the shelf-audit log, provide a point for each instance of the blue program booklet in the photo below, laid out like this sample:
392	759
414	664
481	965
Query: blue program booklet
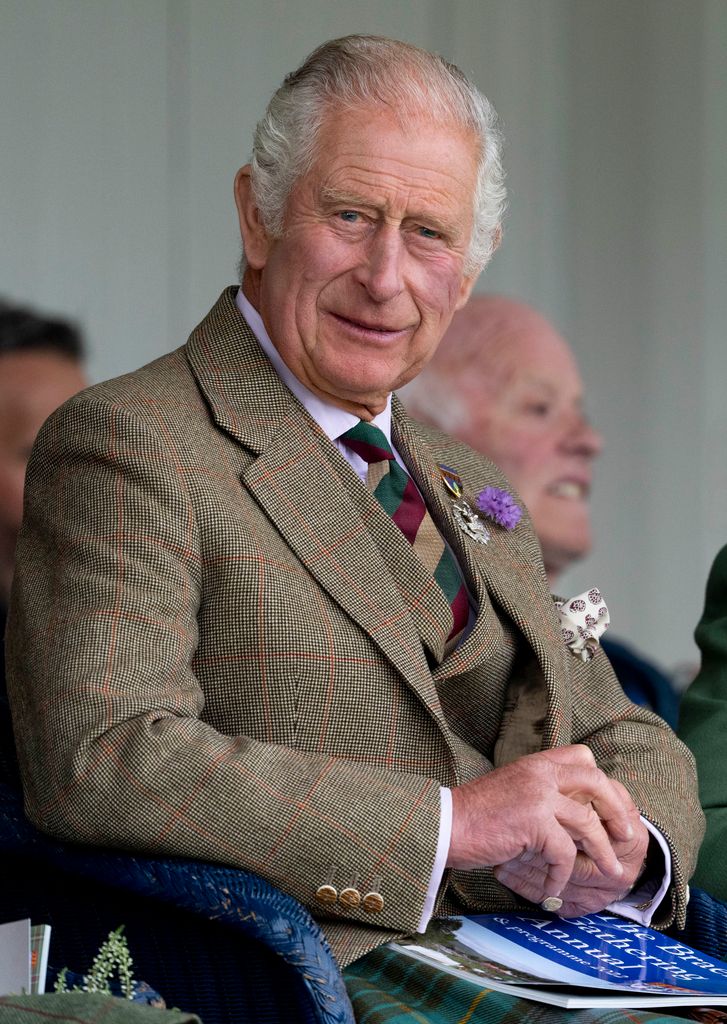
594	961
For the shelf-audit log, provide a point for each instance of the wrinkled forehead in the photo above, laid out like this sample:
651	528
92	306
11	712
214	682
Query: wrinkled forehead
425	167
525	354
412	118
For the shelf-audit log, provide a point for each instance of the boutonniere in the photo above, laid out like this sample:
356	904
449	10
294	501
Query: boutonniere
583	620
500	507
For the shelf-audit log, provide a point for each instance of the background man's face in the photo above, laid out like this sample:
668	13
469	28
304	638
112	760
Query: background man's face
359	290
527	416
33	384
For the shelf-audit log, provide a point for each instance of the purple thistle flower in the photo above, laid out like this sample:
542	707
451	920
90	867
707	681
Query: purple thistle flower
499	506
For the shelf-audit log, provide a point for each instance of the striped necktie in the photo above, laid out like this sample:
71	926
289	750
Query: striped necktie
396	492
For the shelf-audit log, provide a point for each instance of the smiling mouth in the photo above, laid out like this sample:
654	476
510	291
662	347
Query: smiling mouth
367	328
571	490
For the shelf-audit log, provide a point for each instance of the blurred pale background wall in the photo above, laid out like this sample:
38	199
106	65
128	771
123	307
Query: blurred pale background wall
122	123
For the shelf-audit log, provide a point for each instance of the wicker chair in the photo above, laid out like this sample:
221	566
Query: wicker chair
215	941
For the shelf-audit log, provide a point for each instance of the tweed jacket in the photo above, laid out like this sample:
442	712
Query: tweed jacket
703	725
221	647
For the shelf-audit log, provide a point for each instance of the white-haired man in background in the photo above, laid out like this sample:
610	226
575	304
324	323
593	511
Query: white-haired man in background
506	383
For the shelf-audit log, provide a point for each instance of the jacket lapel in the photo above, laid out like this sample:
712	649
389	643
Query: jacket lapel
313	498
500	572
310	494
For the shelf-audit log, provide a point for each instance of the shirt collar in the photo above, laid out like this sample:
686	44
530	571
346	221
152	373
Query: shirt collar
332	420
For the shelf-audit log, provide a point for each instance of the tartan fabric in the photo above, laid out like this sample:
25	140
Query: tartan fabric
399	497
210	656
387	987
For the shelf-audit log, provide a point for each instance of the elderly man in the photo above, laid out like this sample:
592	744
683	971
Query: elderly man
257	618
506	382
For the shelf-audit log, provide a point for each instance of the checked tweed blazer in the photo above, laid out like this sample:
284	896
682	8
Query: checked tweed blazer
220	647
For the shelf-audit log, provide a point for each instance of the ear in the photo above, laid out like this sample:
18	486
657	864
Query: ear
467	283
465	289
254	236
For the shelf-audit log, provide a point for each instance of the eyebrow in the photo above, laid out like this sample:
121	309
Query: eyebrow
337	197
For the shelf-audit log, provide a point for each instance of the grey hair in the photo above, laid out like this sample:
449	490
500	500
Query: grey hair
362	70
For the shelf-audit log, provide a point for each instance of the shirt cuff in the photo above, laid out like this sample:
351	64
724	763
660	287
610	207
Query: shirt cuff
440	859
641	904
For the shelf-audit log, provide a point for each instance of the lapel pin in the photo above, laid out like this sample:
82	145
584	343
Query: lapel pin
466	518
452	479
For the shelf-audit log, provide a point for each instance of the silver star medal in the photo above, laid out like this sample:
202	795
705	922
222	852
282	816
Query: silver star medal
465	517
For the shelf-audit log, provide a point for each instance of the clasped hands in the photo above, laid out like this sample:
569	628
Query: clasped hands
551	824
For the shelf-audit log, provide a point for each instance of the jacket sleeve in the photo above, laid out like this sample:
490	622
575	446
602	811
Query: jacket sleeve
632	744
109	713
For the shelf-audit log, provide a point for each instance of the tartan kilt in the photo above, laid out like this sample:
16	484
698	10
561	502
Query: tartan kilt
387	987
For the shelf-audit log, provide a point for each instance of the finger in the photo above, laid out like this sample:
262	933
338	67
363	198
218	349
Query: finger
544	871
585	901
530	884
579	897
610	801
531	881
614	799
586	876
632	814
584	826
585	873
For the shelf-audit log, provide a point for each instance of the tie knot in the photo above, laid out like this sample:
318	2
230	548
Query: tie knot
368	441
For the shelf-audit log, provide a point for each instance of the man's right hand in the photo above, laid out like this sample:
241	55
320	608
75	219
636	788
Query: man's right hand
543	808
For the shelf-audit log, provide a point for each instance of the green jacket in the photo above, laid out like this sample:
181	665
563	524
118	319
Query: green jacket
703	718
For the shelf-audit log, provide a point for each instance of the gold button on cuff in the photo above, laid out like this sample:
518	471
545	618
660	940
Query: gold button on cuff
326	894
350	897
373	902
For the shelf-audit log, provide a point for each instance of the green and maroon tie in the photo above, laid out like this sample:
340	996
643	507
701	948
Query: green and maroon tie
396	492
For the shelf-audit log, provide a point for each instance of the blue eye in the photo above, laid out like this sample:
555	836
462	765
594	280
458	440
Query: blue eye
428	233
350	216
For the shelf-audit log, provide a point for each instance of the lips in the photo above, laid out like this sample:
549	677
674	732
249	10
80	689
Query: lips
369	327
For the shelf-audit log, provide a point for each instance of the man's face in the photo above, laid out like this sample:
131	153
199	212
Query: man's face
32	384
527	416
358	291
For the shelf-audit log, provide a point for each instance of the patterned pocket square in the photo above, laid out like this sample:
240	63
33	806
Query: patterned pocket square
583	620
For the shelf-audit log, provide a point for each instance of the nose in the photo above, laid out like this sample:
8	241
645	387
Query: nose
581	436
381	269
